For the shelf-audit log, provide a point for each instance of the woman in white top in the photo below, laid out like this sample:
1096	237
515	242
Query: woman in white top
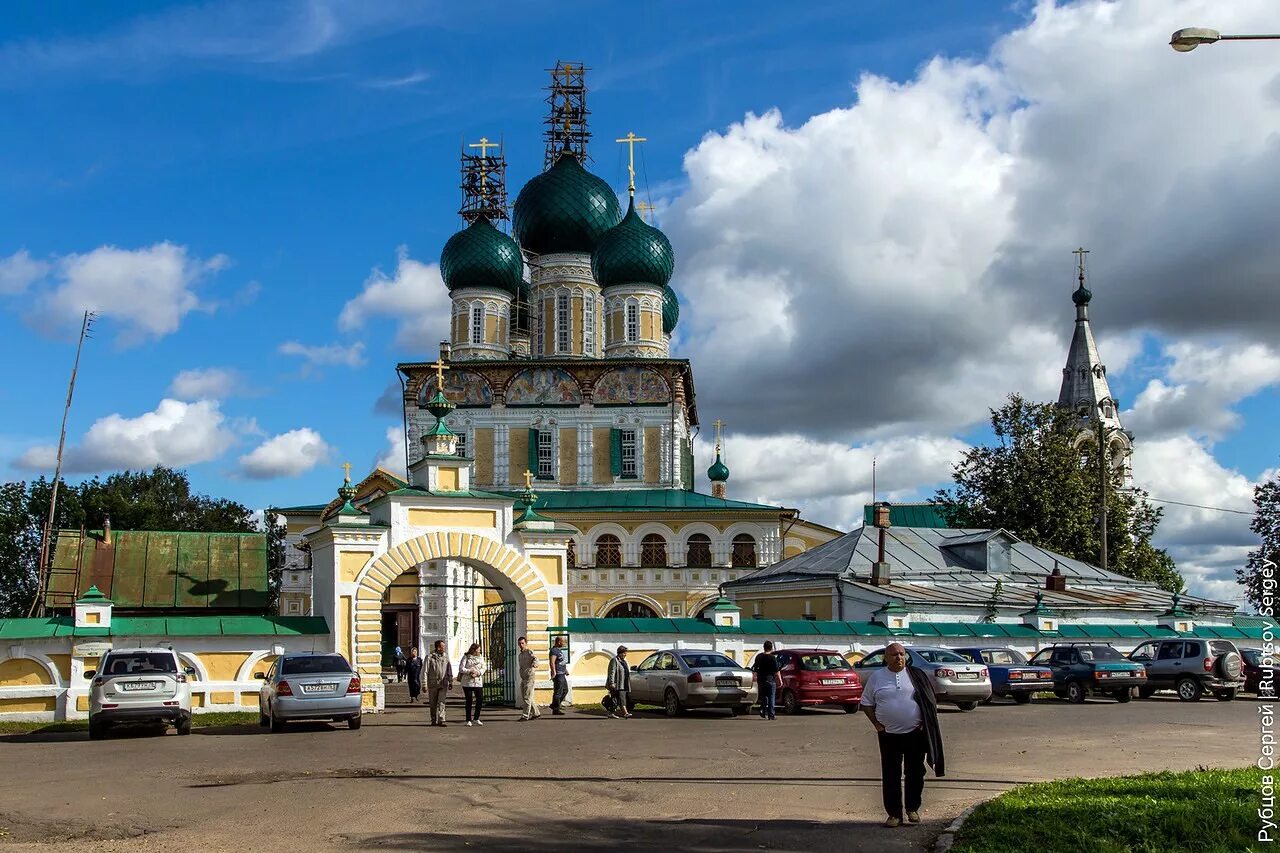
472	670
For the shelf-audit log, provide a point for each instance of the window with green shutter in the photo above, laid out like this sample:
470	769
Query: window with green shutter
533	451
615	452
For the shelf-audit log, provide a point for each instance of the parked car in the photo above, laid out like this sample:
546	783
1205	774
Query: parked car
1081	669
1011	675
956	680
139	686
309	687
1253	670
1191	667
678	679
817	677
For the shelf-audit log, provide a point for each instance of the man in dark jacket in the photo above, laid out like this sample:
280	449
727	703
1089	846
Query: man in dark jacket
899	701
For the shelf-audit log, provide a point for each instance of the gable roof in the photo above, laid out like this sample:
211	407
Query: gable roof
144	569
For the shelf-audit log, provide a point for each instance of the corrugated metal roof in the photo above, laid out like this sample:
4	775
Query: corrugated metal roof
167	626
908	515
161	569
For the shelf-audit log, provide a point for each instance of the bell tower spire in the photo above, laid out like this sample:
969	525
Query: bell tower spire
1085	389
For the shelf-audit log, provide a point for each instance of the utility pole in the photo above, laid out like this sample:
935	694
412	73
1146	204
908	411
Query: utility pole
1102	488
42	573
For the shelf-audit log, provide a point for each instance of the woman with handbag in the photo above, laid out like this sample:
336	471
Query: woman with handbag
472	670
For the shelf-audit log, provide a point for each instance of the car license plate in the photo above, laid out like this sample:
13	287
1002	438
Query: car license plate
967	676
323	687
833	681
139	685
725	681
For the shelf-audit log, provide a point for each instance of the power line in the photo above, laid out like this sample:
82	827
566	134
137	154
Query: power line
1200	506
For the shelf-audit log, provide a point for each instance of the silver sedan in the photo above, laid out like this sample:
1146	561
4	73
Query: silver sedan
956	680
309	687
678	679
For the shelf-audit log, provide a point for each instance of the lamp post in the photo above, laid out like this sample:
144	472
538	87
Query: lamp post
1104	474
1189	38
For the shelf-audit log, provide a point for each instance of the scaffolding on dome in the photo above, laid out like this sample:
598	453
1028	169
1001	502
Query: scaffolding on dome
567	119
484	183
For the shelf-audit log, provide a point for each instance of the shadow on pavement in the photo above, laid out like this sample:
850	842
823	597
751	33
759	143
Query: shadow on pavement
702	835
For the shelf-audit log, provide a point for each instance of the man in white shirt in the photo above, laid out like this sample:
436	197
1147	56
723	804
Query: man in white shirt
891	698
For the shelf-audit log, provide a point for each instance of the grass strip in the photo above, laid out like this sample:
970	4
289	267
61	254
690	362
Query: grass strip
1199	810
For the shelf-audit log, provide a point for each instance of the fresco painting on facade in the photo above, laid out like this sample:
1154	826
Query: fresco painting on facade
631	386
462	387
543	386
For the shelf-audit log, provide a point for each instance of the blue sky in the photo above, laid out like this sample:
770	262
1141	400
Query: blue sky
287	152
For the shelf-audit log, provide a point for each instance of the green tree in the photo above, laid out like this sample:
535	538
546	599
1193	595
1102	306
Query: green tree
1264	563
1036	482
160	499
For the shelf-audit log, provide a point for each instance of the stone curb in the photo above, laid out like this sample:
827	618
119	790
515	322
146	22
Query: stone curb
948	836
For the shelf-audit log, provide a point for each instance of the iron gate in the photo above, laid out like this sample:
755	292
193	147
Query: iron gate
497	629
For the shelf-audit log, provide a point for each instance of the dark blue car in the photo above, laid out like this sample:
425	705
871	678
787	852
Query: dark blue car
1011	675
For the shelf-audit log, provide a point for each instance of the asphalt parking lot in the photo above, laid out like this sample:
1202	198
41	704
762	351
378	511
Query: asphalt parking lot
703	782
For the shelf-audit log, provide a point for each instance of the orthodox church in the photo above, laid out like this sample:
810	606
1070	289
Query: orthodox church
555	398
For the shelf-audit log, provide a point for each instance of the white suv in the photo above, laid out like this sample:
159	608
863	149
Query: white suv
139	686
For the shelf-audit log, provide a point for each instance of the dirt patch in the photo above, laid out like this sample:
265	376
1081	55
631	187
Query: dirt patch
267	777
19	828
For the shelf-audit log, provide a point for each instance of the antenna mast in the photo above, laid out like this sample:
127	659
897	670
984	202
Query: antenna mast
484	182
567	119
42	577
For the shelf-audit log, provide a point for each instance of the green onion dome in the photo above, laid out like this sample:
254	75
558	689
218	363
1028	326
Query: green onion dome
565	209
633	252
482	256
670	309
1081	295
718	472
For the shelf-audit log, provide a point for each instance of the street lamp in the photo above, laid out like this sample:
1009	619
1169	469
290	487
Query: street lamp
1104	471
1189	38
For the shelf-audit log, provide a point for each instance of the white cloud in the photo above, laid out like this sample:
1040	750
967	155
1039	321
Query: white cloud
145	292
829	481
315	357
392	458
19	271
1200	385
209	383
174	434
286	455
415	296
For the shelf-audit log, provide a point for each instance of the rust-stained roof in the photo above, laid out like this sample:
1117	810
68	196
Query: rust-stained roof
153	569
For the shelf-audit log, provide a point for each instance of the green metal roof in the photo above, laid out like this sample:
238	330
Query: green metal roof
670	309
908	515
161	569
167	626
633	252
565	209
1247	620
482	256
637	500
304	508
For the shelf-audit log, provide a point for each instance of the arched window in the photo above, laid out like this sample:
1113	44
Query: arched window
477	323
653	551
608	551
633	322
571	555
744	551
699	554
631	610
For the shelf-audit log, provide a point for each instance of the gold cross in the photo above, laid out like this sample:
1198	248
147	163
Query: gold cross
719	424
440	369
346	467
1080	253
644	207
631	139
484	145
528	479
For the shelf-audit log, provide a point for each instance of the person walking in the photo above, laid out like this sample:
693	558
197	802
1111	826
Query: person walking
559	676
527	664
399	662
618	683
769	678
470	676
439	674
413	671
899	701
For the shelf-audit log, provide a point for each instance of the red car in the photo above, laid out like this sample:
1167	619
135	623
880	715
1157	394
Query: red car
817	677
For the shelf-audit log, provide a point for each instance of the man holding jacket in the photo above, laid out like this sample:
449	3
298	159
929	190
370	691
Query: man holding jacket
899	701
